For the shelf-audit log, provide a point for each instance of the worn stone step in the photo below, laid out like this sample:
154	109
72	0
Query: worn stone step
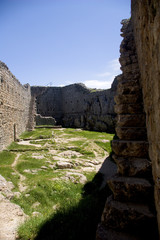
128	108
134	120
128	98
128	87
109	234
139	167
131	189
131	133
128	217
128	148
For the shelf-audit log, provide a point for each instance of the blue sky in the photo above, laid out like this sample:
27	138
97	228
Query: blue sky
60	42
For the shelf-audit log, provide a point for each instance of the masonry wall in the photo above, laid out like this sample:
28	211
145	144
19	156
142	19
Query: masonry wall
146	23
14	107
129	212
77	106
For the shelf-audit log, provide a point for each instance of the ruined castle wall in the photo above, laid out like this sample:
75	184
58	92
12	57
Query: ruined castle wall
14	107
146	22
48	101
129	213
77	106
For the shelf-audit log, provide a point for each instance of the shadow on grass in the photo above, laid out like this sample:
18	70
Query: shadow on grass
79	222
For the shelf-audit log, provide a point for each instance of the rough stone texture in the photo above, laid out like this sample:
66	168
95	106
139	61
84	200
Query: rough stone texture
40	120
131	208
128	133
77	106
14	107
133	166
128	148
11	216
105	234
131	189
133	120
135	217
146	24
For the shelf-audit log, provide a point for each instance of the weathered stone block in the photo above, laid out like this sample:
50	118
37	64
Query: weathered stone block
127	216
131	189
134	120
128	87
128	98
109	234
128	108
140	167
131	133
130	148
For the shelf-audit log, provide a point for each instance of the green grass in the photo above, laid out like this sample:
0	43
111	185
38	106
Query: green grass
16	146
67	210
78	213
6	158
42	142
86	134
10	175
39	133
106	146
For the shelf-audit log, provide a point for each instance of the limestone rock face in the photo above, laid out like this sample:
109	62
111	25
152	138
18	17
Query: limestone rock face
77	106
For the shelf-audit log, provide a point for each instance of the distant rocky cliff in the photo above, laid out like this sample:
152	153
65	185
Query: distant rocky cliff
77	106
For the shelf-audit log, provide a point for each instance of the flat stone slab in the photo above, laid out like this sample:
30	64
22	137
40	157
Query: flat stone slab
63	165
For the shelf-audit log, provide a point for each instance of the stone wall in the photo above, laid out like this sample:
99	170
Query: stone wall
129	213
146	23
77	106
14	107
44	120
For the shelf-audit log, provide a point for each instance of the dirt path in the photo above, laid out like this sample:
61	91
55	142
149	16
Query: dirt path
22	178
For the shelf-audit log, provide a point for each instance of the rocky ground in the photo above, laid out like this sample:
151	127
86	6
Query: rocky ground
74	165
11	215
